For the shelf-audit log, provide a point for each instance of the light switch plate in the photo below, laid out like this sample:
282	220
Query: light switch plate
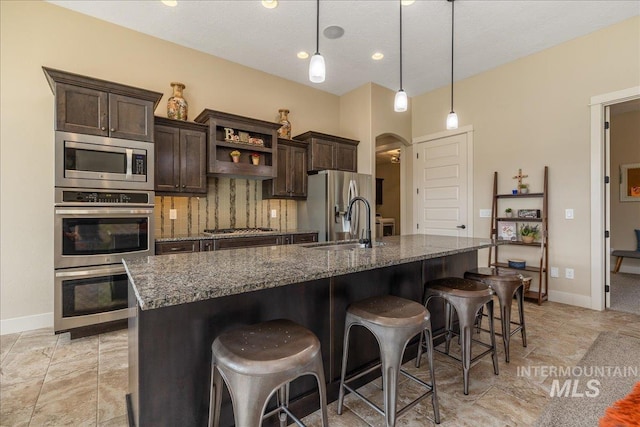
274	213
485	213
568	214
173	214
568	273
554	272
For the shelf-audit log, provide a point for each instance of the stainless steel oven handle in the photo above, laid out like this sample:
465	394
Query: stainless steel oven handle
92	271
104	211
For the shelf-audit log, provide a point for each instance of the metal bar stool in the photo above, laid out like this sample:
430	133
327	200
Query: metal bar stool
257	360
467	298
393	321
506	285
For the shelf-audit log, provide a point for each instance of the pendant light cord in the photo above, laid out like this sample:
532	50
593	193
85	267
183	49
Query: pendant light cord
317	27
452	23
400	2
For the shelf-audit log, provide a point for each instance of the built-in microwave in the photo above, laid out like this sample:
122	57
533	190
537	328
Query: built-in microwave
90	161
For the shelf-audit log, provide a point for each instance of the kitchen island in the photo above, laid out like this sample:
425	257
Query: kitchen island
179	303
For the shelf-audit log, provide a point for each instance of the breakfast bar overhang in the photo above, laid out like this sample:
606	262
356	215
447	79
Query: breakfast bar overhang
179	303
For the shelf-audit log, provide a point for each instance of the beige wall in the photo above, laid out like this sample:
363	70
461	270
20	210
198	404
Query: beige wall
625	216
355	123
534	112
34	34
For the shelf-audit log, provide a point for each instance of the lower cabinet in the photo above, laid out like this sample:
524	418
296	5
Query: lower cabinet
207	245
243	242
183	246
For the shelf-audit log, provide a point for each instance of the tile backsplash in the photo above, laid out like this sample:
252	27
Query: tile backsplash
229	203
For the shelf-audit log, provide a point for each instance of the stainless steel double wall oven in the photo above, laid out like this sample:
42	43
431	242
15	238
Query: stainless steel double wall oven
103	213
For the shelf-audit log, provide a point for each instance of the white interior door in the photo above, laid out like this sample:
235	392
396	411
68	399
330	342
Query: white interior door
443	180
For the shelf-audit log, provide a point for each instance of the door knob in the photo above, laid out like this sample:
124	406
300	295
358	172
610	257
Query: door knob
461	226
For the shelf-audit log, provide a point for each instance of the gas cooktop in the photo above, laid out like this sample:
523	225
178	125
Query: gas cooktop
238	230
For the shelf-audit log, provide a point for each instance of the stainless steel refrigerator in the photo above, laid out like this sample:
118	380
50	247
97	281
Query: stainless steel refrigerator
328	196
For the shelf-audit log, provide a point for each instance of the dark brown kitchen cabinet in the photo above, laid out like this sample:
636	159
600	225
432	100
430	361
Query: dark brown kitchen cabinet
244	242
97	107
330	152
291	181
207	245
181	152
250	138
304	238
182	246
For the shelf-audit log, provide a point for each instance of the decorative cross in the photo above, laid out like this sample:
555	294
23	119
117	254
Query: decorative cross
519	177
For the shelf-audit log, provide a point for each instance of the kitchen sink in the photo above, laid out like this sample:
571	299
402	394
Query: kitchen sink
341	246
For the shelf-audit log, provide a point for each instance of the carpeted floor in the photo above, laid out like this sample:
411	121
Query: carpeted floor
625	292
608	350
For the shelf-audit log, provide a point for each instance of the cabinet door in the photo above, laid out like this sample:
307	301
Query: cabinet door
244	242
81	110
130	118
167	163
304	238
346	157
322	155
193	154
298	172
281	182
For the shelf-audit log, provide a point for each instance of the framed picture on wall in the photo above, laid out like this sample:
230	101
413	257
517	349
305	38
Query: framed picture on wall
630	182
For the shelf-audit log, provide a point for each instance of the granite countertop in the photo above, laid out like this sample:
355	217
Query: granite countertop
167	237
163	281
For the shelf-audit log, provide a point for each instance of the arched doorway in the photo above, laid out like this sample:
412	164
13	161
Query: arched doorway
392	153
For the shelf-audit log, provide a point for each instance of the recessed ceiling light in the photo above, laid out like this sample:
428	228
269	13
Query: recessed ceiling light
270	4
333	32
407	2
170	3
377	56
303	55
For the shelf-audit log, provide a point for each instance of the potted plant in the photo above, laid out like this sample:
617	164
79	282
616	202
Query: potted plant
523	188
508	212
528	233
235	156
255	158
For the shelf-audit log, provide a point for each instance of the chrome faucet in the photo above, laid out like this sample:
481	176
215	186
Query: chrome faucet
367	240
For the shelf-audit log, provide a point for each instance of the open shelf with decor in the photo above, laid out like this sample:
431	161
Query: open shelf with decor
240	146
527	222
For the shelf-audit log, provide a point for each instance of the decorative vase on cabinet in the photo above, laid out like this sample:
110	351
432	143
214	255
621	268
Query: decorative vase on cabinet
285	129
177	107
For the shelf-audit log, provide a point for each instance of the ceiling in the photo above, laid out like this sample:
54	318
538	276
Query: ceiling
488	33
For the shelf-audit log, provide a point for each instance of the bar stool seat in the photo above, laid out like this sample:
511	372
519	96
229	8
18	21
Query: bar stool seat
507	285
257	360
393	321
467	298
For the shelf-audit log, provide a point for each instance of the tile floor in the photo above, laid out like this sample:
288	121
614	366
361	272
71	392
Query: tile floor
48	380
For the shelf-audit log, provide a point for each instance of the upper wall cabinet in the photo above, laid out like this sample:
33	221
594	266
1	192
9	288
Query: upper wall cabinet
291	181
330	152
240	146
181	153
97	107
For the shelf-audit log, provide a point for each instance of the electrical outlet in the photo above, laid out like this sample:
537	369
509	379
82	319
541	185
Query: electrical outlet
555	272
568	273
568	214
173	214
274	213
485	213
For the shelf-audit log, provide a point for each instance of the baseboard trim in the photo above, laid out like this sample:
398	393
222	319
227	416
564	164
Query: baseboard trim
570	299
26	323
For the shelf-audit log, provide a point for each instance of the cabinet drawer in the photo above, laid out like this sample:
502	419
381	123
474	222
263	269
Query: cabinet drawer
244	242
163	248
304	238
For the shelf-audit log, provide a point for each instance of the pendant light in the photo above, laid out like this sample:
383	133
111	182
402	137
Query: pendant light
452	118
400	102
317	70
